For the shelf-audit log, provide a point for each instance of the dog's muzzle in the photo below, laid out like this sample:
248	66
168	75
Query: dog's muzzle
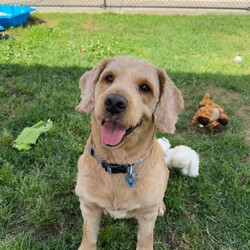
113	132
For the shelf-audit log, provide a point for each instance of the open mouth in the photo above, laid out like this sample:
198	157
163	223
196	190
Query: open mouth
112	134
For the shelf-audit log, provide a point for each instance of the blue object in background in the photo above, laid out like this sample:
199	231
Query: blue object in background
1	28
13	15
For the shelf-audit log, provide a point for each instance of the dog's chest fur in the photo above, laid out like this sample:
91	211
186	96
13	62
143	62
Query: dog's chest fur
121	214
111	193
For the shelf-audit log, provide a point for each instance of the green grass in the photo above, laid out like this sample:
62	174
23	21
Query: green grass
40	67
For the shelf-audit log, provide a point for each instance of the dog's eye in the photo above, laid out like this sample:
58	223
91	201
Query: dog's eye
109	78
144	88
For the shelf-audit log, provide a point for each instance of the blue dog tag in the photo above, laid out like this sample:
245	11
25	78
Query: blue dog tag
130	179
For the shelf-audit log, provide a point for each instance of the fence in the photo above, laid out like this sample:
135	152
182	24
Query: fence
202	4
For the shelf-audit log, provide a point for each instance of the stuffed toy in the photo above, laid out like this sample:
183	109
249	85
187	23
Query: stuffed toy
182	157
30	135
210	115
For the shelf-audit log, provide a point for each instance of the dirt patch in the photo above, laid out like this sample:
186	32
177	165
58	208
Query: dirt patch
248	159
231	101
51	23
46	232
90	26
174	240
219	93
245	112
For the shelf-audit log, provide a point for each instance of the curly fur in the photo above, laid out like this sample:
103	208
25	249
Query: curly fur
100	192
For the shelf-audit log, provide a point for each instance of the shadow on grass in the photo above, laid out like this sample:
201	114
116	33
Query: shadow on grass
33	21
48	91
31	93
48	72
73	73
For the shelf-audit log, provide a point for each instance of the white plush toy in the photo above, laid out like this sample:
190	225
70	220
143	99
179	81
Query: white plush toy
182	157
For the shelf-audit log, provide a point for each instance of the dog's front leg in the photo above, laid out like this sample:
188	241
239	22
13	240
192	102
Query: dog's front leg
146	223
91	216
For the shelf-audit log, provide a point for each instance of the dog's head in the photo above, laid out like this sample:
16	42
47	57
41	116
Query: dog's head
128	95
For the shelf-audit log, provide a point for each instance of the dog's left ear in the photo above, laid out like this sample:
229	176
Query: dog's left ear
170	104
87	85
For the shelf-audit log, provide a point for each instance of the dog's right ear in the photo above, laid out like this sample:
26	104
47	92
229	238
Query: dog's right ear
87	85
170	104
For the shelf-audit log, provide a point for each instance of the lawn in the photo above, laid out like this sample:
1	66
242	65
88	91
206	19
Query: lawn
40	65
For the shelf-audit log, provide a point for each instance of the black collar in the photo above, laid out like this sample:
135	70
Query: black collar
115	168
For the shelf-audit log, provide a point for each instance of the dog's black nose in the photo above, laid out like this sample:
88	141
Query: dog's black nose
115	104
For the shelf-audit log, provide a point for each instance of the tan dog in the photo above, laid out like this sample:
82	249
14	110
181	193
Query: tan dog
122	171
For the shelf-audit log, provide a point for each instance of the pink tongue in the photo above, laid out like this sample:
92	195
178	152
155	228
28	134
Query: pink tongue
112	134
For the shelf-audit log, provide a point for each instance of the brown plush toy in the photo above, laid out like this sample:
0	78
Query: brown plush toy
210	115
